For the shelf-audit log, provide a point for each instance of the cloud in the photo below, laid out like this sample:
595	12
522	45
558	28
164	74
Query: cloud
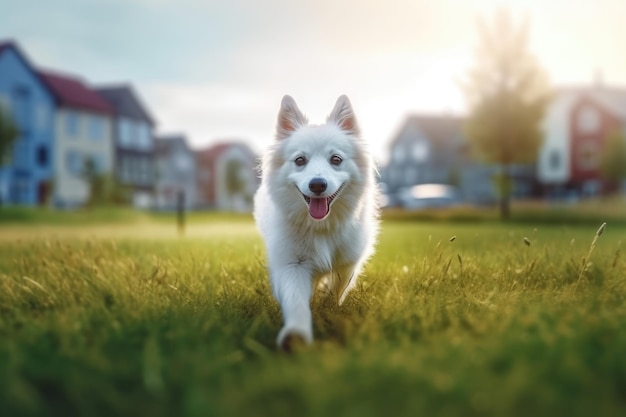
210	112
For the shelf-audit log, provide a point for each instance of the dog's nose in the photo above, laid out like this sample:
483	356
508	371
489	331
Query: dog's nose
318	185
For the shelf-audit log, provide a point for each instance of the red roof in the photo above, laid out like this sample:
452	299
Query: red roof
72	92
209	155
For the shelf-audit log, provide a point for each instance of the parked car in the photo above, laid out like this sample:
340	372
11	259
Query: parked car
429	196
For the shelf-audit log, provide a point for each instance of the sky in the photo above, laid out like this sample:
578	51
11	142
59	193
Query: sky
217	70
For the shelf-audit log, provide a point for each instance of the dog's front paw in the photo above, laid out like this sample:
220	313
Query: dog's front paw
291	339
293	342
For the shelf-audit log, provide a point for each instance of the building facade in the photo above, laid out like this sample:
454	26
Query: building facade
227	177
432	149
27	171
83	135
133	135
577	124
175	173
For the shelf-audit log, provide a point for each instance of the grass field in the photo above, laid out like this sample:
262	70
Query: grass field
449	319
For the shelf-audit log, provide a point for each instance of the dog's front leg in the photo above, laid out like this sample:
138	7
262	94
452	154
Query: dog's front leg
293	287
344	279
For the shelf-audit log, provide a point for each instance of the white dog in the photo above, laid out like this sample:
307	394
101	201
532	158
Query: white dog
317	211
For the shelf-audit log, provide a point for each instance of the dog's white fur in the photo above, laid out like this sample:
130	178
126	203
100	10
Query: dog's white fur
301	250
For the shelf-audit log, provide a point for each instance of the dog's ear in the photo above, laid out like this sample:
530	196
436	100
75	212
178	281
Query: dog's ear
290	118
343	116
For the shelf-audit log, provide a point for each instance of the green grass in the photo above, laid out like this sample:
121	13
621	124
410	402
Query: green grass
587	212
132	320
80	217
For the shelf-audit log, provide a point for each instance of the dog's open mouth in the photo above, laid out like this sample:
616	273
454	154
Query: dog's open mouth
319	207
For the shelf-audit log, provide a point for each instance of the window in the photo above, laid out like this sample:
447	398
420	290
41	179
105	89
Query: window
122	132
134	169
144	171
42	156
74	162
133	165
554	160
71	124
124	173
143	137
588	120
419	151
22	109
96	127
129	132
150	171
133	134
43	115
181	161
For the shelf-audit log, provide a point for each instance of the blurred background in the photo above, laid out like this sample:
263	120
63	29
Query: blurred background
154	104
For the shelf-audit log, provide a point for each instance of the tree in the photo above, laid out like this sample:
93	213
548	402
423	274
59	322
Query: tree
507	91
8	134
90	174
613	158
100	185
234	181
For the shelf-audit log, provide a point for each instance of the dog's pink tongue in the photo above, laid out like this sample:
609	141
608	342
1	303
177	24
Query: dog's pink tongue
318	208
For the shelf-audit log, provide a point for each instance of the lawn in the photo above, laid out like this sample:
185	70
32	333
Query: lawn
449	319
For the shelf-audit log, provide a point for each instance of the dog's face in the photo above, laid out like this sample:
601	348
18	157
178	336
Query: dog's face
318	168
319	163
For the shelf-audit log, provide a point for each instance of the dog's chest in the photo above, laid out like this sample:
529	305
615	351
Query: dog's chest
328	252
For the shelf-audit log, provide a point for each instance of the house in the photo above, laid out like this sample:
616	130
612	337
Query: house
133	135
26	174
175	173
227	176
577	124
83	134
433	149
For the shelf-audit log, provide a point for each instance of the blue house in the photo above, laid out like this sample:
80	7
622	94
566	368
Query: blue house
25	176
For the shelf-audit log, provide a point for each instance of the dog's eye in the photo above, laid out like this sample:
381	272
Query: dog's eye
300	161
336	160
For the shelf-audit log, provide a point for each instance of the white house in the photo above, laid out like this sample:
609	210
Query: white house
83	132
